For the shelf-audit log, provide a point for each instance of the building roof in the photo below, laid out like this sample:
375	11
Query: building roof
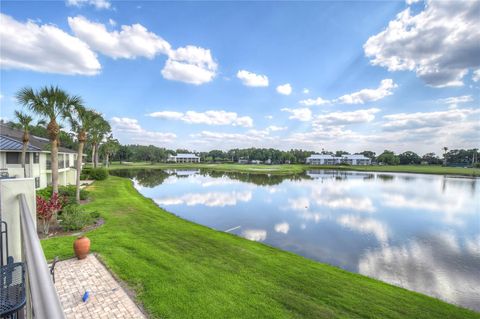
184	155
351	157
10	144
11	139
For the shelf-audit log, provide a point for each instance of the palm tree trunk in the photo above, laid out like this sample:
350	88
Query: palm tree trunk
93	155
106	160
96	154
79	170
54	166
24	151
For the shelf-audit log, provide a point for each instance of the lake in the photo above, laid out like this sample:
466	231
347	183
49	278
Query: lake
420	232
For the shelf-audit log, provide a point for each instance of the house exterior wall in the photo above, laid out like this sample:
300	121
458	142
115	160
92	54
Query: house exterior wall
332	160
42	174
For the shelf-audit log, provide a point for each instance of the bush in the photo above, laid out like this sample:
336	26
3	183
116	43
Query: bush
64	191
74	218
98	174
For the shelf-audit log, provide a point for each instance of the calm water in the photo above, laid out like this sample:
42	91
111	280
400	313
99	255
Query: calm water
421	232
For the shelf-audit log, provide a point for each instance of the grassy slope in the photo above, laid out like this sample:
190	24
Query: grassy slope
298	168
183	270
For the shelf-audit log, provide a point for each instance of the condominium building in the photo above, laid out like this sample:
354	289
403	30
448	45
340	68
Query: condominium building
320	159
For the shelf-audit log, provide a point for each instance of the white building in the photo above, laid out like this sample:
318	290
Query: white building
37	159
320	159
184	158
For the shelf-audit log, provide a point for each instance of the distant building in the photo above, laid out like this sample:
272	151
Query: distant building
320	159
242	161
37	159
184	158
255	162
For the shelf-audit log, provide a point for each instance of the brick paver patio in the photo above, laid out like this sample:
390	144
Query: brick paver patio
107	299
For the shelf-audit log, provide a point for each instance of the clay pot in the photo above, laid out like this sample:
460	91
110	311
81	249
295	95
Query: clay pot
81	246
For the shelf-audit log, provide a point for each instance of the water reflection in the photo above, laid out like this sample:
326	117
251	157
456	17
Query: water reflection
420	232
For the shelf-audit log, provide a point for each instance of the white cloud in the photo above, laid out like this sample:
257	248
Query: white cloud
130	42
424	120
269	117
98	4
252	79
285	89
476	75
282	228
190	64
363	96
112	22
369	95
317	101
44	48
438	43
306	91
301	114
455	100
130	130
208	117
255	234
275	128
353	117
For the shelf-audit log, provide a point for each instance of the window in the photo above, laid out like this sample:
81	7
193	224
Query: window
13	158
37	182
36	158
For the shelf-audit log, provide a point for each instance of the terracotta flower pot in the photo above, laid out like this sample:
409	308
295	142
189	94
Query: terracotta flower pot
81	246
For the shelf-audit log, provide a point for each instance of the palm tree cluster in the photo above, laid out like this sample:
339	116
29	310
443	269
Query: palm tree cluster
54	105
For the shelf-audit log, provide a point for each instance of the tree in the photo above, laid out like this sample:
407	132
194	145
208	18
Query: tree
409	157
445	149
24	120
341	153
369	154
100	128
109	148
431	159
50	103
81	120
388	158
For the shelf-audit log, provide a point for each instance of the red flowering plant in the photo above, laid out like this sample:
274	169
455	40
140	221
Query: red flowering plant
47	209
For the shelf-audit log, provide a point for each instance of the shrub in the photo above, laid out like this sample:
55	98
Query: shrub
65	191
95	215
47	209
74	218
98	174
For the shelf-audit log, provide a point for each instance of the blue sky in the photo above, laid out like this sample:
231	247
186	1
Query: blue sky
204	75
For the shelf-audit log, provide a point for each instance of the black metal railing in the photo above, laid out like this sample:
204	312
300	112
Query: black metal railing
42	301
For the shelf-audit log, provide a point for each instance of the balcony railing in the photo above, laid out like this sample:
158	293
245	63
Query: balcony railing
42	300
61	164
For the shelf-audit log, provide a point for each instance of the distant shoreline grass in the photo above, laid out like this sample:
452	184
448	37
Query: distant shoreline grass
180	269
299	168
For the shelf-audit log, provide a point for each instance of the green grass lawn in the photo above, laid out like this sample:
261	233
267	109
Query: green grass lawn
183	270
298	168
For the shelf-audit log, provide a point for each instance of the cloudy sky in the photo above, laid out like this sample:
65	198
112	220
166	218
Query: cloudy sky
203	75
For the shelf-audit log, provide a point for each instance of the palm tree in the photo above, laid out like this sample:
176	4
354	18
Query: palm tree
51	103
24	120
445	149
109	148
100	128
81	120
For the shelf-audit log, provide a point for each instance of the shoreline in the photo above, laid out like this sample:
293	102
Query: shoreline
300	168
194	261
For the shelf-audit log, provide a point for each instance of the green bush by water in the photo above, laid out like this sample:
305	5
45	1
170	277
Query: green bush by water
98	174
67	191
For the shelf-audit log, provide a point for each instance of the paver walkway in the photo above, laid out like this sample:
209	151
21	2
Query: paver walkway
107	299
